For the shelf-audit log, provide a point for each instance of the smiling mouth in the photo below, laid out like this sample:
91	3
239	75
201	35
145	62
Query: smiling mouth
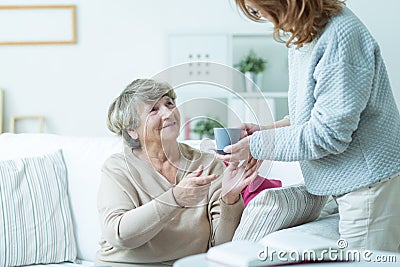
169	125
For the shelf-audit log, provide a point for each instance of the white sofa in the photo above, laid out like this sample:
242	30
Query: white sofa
84	157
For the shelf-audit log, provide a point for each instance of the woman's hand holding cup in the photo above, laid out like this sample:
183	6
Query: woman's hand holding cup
249	129
233	144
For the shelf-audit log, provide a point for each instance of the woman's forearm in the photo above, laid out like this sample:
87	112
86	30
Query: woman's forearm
227	222
277	124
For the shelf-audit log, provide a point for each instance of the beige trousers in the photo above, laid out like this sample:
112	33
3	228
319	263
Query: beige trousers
370	216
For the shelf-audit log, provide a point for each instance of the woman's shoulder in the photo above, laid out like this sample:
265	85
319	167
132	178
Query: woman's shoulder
348	28
114	159
346	39
120	169
118	162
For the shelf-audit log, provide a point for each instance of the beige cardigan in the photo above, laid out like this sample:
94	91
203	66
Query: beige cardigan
141	221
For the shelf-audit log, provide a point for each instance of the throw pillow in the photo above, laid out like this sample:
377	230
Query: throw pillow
278	208
35	218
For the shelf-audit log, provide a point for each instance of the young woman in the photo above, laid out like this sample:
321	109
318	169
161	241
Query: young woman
343	124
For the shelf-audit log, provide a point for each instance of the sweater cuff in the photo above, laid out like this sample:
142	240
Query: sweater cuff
233	211
166	206
262	144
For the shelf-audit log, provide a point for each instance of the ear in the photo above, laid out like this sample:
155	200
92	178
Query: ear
133	134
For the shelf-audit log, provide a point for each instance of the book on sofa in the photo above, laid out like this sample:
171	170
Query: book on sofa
238	253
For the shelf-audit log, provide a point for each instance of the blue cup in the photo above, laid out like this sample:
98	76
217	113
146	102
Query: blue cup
225	137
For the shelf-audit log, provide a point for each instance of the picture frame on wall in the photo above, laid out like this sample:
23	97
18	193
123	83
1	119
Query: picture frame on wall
29	124
35	25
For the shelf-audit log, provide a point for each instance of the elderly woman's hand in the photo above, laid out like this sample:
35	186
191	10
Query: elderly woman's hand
192	189
236	177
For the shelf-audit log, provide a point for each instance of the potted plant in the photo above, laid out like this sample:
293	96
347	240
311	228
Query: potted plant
252	66
205	127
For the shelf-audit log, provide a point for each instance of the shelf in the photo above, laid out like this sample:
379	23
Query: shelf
265	94
236	105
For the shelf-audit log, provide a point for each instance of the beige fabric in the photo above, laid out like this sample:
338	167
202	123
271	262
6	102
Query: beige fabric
370	216
141	221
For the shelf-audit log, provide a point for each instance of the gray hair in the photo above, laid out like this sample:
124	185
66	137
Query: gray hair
122	113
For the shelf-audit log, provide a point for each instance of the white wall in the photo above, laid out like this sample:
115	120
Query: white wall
120	40
382	19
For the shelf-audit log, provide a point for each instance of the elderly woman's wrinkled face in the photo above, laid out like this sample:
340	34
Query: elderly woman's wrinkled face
159	121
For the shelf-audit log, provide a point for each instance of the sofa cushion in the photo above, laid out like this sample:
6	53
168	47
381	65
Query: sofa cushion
83	157
326	228
278	208
35	214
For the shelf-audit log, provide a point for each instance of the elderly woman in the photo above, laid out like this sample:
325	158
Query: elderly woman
161	200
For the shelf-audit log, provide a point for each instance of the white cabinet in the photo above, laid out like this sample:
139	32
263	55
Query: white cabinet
212	91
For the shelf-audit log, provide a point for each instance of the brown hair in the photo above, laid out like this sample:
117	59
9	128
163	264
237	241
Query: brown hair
303	19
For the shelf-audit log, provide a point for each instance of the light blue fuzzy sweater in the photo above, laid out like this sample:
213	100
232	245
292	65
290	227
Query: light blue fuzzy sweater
345	126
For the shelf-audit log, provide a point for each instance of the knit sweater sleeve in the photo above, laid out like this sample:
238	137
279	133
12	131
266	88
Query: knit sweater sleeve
341	93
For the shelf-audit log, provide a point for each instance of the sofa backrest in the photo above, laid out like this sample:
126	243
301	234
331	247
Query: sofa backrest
83	157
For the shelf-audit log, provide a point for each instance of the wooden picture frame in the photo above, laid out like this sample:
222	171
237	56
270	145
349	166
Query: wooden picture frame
14	119
38	25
